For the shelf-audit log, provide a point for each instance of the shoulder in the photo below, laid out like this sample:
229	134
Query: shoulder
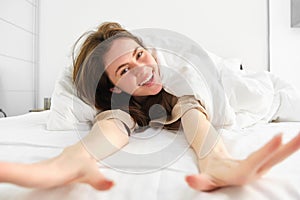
188	102
117	114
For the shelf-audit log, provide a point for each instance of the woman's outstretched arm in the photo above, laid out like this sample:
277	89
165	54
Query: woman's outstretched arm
77	163
218	168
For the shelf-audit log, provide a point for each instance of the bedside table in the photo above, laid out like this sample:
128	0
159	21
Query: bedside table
47	104
37	110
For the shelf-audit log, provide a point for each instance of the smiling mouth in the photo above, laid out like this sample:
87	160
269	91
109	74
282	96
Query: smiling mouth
148	80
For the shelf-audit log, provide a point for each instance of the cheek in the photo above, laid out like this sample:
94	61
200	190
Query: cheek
127	84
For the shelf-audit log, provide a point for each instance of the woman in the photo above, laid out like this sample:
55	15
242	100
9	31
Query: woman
116	74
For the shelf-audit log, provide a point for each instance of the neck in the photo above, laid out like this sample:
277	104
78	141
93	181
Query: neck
140	99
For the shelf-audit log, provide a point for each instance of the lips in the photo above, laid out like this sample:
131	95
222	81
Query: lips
147	80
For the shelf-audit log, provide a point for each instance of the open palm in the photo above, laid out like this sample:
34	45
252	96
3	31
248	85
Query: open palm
221	172
71	166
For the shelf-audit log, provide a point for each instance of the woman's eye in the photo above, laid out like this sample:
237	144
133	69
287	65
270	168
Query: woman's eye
139	54
124	71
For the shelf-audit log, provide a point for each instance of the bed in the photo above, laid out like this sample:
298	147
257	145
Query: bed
161	160
25	139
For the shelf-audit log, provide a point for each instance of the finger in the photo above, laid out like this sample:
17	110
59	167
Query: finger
201	182
282	153
262	155
102	184
98	181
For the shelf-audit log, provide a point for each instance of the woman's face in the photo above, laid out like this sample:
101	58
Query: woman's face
132	69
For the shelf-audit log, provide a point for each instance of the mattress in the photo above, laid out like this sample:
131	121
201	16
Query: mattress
25	139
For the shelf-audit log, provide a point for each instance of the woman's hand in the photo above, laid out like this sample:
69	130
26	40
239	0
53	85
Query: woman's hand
76	164
221	171
73	165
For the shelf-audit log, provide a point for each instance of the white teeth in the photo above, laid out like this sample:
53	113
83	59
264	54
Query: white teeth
146	80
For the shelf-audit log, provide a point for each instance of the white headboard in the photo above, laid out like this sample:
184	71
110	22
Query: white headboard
231	28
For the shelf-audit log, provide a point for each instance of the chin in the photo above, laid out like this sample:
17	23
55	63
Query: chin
157	90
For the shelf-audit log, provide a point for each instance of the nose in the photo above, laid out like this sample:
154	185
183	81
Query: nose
136	62
137	66
138	70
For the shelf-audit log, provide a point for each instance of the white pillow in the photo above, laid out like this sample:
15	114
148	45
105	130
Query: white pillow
68	112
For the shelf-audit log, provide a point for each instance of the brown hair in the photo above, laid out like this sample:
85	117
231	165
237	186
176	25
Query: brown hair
93	85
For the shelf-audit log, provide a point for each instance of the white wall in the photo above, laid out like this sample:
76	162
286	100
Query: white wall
17	56
230	28
285	43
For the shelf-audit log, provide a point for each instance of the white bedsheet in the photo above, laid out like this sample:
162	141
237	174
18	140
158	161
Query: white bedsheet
25	139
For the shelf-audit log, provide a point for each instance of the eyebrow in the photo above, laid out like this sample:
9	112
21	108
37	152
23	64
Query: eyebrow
134	52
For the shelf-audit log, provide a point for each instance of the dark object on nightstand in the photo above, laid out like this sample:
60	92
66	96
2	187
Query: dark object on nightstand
3	113
37	110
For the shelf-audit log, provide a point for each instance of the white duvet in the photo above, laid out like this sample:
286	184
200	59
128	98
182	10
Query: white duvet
260	97
232	97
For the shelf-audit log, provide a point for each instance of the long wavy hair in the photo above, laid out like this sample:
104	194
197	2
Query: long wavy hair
93	85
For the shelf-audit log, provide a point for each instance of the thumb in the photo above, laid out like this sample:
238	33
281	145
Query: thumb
96	179
102	184
201	182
